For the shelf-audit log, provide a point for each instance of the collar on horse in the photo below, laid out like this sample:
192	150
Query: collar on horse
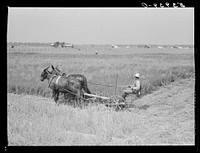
51	80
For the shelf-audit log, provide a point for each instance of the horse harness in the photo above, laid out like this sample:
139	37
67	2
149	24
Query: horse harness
51	79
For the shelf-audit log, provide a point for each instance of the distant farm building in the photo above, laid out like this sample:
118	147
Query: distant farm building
176	47
159	47
56	44
115	46
68	45
127	46
147	46
143	46
61	44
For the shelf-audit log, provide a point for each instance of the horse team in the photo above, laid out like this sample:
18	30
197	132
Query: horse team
72	85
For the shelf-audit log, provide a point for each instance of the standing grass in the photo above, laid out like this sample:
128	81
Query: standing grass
156	69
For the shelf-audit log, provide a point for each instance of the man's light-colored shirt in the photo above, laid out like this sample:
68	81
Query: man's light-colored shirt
136	85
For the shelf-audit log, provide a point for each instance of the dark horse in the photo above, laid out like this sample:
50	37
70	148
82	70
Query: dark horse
82	79
62	84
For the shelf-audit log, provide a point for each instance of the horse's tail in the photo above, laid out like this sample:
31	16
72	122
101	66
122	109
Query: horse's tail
85	88
88	91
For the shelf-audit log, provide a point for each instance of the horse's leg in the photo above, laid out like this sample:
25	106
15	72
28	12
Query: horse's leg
74	99
77	97
70	99
53	94
66	97
80	96
57	95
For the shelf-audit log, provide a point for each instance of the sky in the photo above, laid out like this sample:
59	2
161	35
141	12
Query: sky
101	25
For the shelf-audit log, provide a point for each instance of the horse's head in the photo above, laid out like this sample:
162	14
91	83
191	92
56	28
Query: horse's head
44	74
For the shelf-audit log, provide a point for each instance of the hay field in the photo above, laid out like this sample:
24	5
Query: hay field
165	117
159	117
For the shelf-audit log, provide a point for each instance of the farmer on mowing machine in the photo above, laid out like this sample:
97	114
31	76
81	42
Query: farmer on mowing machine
133	89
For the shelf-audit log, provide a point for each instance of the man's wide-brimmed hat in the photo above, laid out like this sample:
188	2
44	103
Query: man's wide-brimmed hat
137	75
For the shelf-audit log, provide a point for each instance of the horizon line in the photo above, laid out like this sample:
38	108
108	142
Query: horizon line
103	44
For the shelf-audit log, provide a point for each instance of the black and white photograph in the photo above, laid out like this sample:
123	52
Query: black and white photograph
107	76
